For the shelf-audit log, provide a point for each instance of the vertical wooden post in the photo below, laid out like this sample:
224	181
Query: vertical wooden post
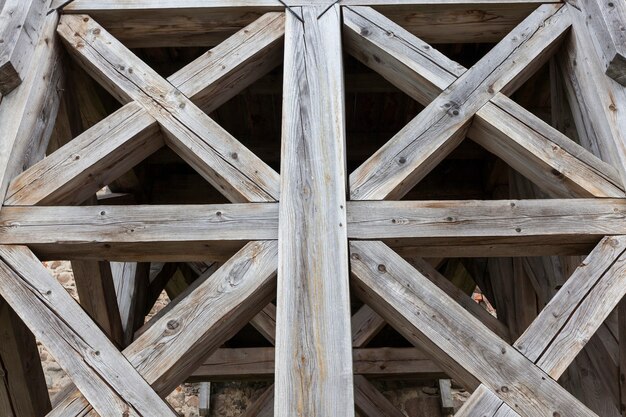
313	342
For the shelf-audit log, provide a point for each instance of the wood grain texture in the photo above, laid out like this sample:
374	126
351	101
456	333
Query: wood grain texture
223	161
168	352
21	23
313	341
370	402
27	116
258	364
426	315
403	161
106	378
478	228
139	232
607	23
153	23
116	144
570	319
598	102
558	165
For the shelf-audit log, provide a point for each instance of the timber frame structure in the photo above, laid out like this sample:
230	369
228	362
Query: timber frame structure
287	251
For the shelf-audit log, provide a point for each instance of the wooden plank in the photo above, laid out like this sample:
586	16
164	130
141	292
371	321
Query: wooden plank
96	292
152	23
445	392
265	323
494	228
370	402
403	161
21	23
28	114
569	320
131	281
229	364
204	397
313	343
366	324
109	382
598	102
426	315
621	308
606	20
525	142
223	161
24	385
171	349
139	233
89	162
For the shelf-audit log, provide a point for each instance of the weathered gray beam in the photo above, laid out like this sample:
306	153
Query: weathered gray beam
313	339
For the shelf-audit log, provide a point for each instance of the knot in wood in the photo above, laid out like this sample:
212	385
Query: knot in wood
172	325
355	256
382	268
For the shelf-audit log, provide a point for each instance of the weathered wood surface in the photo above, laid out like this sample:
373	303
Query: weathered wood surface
607	23
137	233
23	390
172	348
96	292
370	402
109	382
153	23
21	23
366	324
426	315
558	165
416	228
313	340
569	320
86	164
403	161
131	282
258	363
27	115
265	323
222	160
488	228
598	103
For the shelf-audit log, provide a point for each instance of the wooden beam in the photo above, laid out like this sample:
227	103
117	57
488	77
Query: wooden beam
150	23
598	102
131	281
568	321
96	292
621	311
487	228
167	353
109	382
403	161
119	142
223	161
258	364
21	23
366	324
547	157
606	20
262	406
416	228
313	343
370	402
265	323
27	115
140	233
443	329
23	390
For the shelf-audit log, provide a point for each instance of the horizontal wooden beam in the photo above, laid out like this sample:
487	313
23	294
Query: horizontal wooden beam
148	233
414	228
153	23
258	363
488	228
